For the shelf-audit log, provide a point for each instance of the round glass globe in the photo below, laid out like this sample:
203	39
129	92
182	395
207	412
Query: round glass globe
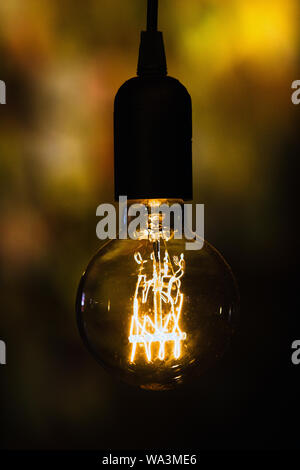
157	341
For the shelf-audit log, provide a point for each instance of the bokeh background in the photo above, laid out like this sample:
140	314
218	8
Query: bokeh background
63	62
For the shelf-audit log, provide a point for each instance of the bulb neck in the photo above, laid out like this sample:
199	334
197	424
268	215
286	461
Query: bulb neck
158	219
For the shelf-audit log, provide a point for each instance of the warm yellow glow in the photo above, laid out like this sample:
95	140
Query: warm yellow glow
157	305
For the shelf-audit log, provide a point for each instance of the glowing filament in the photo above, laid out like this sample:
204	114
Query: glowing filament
161	300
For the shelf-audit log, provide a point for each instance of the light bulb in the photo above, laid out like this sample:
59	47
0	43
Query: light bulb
154	313
151	311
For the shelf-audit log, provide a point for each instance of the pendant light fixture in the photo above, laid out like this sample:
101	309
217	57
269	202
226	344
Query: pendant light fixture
150	311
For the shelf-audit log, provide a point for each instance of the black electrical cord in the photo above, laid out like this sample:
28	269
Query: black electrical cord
152	15
152	58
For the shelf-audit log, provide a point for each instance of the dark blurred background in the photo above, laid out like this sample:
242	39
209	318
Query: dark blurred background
63	62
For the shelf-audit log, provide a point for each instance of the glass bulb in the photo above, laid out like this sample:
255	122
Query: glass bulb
154	313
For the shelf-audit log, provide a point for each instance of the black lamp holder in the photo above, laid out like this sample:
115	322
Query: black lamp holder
153	126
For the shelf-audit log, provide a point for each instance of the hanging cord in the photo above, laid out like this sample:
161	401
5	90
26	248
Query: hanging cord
152	14
152	58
